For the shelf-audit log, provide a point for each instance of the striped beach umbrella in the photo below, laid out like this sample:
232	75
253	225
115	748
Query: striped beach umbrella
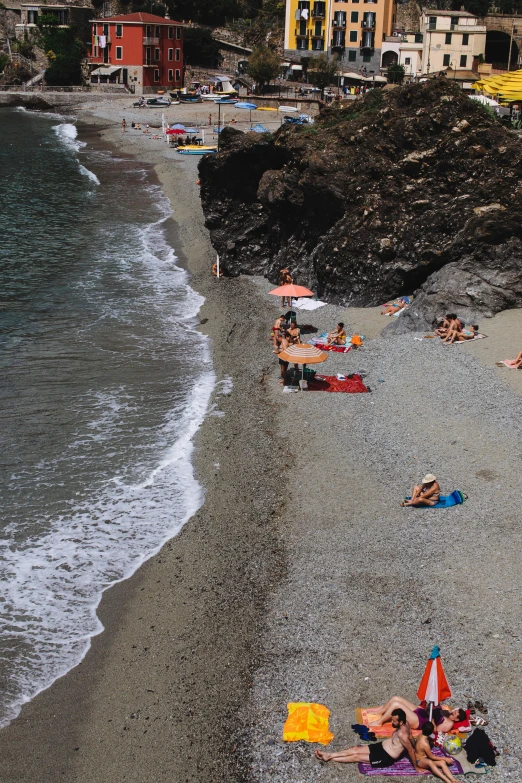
303	353
434	688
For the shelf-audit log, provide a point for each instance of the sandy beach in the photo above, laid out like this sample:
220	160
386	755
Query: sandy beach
301	578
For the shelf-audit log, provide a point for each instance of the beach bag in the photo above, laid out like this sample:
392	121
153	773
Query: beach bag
478	746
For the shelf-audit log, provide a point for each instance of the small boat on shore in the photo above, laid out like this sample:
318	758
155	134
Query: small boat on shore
196	150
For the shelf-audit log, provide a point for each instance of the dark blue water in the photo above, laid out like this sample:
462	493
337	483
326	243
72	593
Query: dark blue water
103	382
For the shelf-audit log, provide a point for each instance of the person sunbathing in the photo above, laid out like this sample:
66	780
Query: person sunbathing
379	754
394	307
426	759
418	716
456	335
517	361
337	337
425	494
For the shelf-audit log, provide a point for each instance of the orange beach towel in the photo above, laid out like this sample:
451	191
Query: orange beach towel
307	721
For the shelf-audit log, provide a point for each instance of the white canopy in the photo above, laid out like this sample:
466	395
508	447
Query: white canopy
297	67
352	75
106	70
380	79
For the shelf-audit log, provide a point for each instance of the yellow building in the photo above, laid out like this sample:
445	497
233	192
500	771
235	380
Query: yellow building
352	29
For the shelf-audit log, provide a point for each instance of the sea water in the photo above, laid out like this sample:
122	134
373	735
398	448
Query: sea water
104	380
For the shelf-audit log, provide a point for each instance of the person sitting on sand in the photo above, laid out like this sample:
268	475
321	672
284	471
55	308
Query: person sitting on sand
394	307
418	716
379	754
448	324
291	336
425	494
427	760
456	335
337	337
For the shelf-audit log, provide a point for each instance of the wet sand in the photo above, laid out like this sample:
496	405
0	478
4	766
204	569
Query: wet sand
301	578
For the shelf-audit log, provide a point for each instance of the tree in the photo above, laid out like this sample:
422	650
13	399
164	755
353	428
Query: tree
199	48
64	51
212	12
322	71
396	73
263	65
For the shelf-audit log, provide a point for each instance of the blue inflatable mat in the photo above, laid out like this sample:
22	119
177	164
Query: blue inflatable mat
446	501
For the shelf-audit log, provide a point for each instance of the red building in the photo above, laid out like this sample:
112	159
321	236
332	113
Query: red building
141	50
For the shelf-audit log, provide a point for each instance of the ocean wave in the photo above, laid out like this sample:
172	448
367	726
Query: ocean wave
68	135
87	173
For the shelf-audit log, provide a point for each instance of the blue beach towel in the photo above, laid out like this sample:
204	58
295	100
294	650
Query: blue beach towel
446	501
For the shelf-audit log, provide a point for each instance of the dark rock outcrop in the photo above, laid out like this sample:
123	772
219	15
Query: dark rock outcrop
413	188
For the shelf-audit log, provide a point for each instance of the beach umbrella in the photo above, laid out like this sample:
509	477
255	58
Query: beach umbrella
259	128
303	353
174	131
434	686
245	105
291	290
177	126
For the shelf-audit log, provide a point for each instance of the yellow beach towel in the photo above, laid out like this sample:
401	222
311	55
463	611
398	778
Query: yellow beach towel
307	721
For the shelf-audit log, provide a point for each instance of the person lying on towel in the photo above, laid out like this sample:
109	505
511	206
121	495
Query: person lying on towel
394	307
337	337
425	494
379	754
516	362
456	335
427	760
447	324
444	720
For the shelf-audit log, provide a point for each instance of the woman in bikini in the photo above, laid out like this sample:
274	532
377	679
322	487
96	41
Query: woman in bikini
455	335
425	494
338	337
285	278
277	333
426	758
394	307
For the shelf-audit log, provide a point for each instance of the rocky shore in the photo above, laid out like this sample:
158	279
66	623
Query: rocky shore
301	578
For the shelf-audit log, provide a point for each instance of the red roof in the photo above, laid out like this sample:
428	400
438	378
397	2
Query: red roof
140	18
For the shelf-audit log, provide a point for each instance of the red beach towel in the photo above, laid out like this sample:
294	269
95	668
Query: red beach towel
336	348
330	383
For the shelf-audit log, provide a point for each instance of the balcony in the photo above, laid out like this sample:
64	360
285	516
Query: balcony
151	41
339	22
368	41
339	41
368	22
317	36
318	14
306	34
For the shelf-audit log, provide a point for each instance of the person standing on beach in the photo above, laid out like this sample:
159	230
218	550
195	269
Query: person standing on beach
123	125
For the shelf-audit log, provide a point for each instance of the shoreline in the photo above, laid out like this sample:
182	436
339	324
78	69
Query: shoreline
300	577
198	593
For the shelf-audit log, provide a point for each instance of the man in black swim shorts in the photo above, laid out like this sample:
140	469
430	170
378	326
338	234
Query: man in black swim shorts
379	754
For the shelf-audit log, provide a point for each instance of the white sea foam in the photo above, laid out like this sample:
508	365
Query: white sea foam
52	584
92	176
68	135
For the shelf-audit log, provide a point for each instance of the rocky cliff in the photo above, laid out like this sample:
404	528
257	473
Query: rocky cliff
410	190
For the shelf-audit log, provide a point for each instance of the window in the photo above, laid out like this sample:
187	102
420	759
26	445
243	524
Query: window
454	21
354	16
156	75
432	23
352	56
302	27
171	54
463	60
156	54
119	31
418	38
447	39
302	43
171	75
32	17
178	55
178	75
407	61
171	32
318	45
95	51
158	31
465	39
318	29
367	58
178	32
353	36
446	59
119	52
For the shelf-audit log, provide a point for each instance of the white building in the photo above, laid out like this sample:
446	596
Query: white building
403	49
452	39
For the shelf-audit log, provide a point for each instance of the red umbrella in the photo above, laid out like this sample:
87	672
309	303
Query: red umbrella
434	686
295	291
172	131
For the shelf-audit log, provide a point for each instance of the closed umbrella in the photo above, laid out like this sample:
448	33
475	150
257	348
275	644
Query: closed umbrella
434	686
304	354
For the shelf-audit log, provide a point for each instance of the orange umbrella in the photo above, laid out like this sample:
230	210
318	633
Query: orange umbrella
434	686
295	291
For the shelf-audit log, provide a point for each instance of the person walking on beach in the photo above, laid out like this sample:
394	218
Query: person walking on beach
123	125
379	754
